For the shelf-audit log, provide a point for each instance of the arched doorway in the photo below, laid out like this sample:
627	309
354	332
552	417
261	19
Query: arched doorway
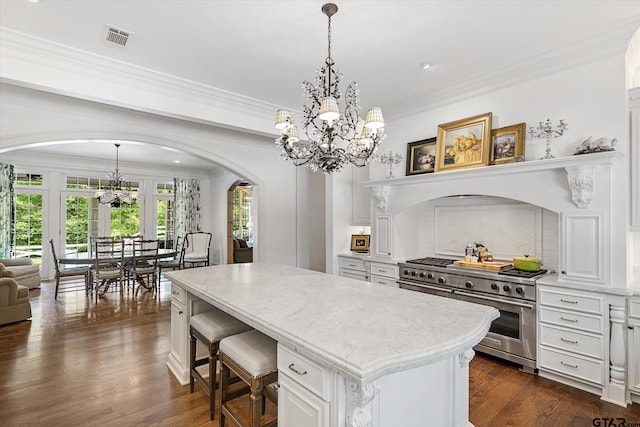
239	223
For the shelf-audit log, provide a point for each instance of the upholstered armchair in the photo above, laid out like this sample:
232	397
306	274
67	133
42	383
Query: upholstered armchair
241	251
14	301
22	270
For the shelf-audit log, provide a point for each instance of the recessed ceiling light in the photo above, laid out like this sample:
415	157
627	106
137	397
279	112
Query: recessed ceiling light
425	65
34	1
176	161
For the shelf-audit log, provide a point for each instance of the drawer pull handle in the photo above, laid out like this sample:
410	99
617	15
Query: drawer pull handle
569	341
175	292
297	371
568	301
180	312
568	320
569	365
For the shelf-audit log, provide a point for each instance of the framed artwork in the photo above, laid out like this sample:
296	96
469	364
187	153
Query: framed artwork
507	143
360	242
464	143
421	156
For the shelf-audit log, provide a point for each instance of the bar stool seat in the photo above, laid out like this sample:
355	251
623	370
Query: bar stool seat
210	328
252	356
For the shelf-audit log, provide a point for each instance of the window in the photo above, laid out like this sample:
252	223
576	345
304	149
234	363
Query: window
242	212
27	216
164	216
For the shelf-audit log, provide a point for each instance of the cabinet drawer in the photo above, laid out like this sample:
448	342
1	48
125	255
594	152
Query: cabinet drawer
634	308
570	319
353	274
385	270
572	341
354	264
305	372
386	281
579	301
578	367
178	294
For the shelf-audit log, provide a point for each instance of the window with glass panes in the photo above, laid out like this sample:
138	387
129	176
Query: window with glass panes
164	216
27	216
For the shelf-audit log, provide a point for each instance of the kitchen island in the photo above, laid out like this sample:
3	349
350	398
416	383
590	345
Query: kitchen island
349	353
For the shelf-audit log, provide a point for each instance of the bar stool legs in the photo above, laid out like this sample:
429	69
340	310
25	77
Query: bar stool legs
252	357
210	328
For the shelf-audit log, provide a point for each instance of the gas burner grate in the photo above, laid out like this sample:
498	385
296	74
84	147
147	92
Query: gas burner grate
521	273
436	262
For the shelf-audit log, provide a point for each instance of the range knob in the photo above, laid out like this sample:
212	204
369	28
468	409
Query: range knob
441	279
406	272
421	274
430	276
469	284
495	286
413	273
520	290
506	288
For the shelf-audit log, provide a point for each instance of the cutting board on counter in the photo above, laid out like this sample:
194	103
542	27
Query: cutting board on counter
491	266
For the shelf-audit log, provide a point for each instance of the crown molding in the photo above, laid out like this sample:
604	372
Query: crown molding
174	96
606	43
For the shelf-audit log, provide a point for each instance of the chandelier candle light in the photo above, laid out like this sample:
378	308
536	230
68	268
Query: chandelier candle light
390	159
333	138
118	192
546	131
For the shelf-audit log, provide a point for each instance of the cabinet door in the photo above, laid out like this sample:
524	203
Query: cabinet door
634	355
583	247
298	407
178	337
383	236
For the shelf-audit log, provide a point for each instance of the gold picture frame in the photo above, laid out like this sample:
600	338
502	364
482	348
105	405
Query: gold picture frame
464	143
507	143
421	156
360	242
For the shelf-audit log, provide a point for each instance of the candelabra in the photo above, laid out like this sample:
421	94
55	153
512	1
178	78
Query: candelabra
545	130
390	159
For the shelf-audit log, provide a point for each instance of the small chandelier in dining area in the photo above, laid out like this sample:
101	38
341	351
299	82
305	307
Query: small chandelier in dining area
333	138
118	192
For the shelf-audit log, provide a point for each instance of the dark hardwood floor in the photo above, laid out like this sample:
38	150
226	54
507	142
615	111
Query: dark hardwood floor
77	363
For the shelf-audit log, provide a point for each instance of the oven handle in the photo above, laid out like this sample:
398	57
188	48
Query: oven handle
421	285
519	304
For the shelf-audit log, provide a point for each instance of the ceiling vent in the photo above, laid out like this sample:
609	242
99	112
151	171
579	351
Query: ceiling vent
113	36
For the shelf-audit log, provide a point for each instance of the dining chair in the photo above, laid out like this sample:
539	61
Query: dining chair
144	265
109	265
62	272
196	249
128	241
172	264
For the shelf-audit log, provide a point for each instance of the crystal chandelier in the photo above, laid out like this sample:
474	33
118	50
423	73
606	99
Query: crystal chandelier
333	138
118	192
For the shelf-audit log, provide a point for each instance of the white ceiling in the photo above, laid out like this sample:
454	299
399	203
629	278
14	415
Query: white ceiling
265	49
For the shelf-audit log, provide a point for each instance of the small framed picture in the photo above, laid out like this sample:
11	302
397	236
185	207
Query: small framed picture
464	143
421	156
360	242
507	143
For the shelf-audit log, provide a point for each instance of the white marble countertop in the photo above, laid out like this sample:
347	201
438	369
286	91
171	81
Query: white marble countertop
362	330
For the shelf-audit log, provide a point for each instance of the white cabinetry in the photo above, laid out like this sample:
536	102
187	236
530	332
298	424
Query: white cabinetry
583	247
354	268
634	348
179	337
571	337
384	274
382	236
305	391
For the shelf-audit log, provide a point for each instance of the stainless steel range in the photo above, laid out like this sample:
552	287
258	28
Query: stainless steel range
513	335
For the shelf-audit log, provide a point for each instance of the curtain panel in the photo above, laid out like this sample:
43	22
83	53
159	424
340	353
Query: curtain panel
6	209
187	205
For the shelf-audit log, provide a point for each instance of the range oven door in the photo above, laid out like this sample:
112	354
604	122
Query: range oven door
427	289
512	336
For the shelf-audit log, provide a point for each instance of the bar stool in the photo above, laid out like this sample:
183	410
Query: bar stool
252	356
210	328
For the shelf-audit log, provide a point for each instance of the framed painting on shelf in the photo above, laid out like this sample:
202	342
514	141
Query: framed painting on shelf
421	156
464	143
507	143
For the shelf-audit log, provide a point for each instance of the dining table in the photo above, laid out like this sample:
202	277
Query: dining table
85	258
